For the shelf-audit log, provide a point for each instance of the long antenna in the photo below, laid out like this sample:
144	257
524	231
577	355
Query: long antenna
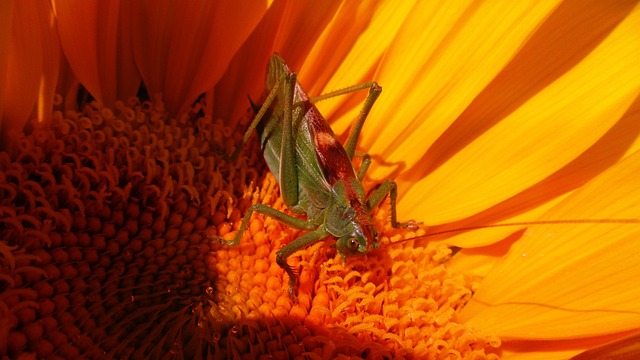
522	223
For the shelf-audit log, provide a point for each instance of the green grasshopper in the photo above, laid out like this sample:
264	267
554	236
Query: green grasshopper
314	170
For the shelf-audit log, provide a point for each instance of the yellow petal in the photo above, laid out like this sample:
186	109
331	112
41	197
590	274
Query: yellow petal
427	75
479	231
479	261
182	49
568	34
348	53
535	140
571	280
529	204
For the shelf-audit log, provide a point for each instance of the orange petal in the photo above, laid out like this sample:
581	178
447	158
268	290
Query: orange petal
78	28
31	64
625	348
6	22
289	28
535	353
183	49
570	280
611	347
50	65
97	45
77	25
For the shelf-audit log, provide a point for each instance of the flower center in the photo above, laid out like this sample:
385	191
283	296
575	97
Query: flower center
104	251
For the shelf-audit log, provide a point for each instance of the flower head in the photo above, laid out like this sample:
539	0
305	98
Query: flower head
113	190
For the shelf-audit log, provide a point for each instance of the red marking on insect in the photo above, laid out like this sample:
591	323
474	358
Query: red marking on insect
325	140
331	155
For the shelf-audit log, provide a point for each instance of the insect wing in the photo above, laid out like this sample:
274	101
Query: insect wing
313	188
331	155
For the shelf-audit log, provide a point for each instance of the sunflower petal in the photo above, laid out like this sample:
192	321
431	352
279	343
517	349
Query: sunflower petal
484	233
625	348
529	204
97	45
565	37
426	73
478	261
603	347
570	280
289	28
532	142
31	64
78	27
348	53
182	49
535	353
6	22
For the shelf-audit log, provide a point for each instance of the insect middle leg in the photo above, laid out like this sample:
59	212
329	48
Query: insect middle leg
364	165
300	243
390	187
262	111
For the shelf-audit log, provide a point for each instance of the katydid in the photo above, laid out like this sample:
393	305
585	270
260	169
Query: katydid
314	170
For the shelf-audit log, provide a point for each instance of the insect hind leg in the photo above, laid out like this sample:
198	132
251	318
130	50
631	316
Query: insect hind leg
260	113
374	93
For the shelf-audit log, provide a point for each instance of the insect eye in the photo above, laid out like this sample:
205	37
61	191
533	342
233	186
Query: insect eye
353	244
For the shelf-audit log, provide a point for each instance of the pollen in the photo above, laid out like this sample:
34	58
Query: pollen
106	251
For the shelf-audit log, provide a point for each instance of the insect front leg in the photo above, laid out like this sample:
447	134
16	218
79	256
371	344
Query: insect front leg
292	247
286	219
390	187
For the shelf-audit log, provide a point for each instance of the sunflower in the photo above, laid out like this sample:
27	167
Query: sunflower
114	116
